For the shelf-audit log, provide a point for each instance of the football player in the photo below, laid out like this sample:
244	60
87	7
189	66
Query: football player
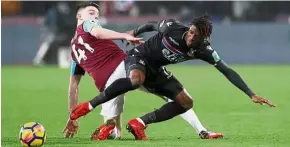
145	65
94	52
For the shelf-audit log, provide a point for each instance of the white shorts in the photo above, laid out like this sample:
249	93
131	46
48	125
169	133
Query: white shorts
115	106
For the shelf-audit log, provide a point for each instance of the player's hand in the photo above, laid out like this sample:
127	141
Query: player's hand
71	128
126	42
262	101
131	33
133	40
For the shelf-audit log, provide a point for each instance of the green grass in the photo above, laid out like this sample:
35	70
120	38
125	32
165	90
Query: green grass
40	94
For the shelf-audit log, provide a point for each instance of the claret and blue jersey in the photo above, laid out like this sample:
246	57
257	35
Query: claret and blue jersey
99	58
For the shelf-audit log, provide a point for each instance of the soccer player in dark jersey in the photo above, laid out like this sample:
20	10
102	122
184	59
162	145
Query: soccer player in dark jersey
94	52
173	43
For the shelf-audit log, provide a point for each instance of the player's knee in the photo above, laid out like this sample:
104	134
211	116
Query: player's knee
185	101
188	103
137	78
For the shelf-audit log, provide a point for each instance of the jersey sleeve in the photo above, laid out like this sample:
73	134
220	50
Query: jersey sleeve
208	55
76	69
89	24
167	24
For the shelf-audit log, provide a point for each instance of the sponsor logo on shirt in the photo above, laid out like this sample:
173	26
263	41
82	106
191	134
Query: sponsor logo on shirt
169	23
141	62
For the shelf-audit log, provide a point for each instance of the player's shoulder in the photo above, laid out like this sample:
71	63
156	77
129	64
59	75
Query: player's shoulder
208	54
171	20
170	24
92	21
89	24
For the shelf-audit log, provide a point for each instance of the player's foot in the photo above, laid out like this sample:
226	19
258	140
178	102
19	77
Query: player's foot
115	134
137	129
210	135
79	110
104	131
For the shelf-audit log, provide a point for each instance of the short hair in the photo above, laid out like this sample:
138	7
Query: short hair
203	24
86	4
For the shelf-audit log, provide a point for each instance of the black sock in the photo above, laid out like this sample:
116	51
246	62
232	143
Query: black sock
118	87
166	112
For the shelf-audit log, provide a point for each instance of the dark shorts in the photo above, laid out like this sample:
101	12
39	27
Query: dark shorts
158	80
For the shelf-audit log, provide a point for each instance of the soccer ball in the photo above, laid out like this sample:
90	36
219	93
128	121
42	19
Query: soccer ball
32	134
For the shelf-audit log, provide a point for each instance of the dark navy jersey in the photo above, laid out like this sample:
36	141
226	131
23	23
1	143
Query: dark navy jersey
168	46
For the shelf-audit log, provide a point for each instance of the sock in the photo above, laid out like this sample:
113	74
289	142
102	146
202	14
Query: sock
141	121
114	134
118	87
192	119
90	106
166	112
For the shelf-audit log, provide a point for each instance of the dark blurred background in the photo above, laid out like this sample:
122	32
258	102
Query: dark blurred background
39	32
220	10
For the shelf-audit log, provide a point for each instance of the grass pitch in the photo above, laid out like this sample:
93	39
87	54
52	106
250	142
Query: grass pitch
40	94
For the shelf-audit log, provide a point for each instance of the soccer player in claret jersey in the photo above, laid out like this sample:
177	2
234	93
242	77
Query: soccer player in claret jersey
94	52
173	43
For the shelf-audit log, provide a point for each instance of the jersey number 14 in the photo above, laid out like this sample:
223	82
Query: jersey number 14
79	53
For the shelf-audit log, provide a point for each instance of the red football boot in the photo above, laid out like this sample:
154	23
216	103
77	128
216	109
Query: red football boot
137	129
104	131
79	110
210	135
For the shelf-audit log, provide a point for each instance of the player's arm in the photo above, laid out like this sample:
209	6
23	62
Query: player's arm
234	77
212	57
95	29
147	27
75	77
150	26
73	91
73	95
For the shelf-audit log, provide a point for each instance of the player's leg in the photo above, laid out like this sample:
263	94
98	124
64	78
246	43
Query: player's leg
181	104
167	111
116	132
111	110
120	86
136	77
168	86
191	117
